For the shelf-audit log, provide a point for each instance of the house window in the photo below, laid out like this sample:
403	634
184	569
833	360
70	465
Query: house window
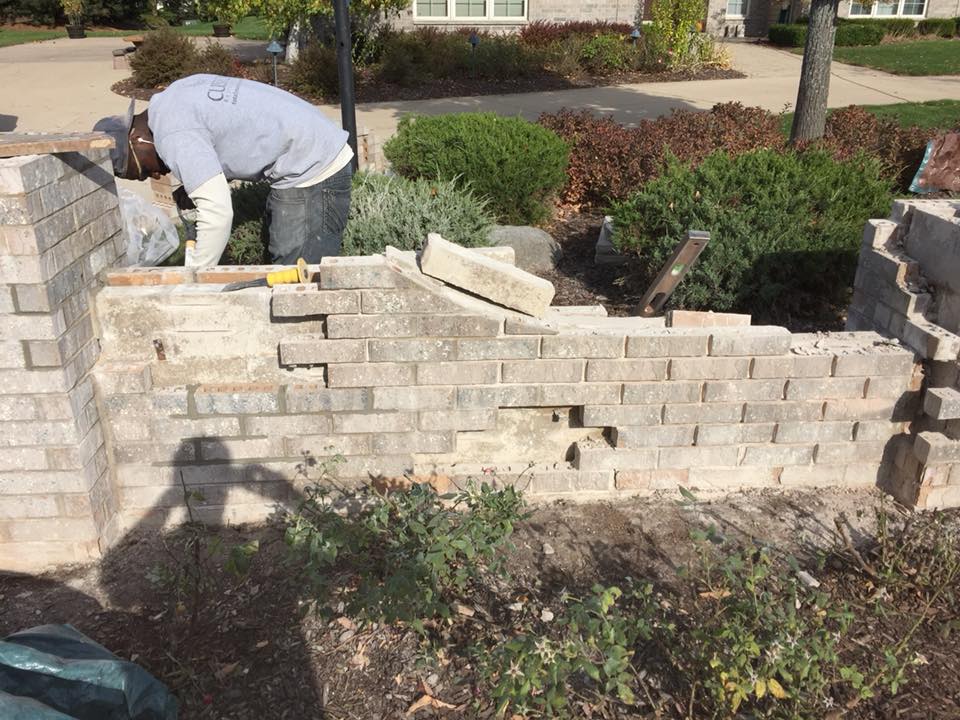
736	8
889	8
431	8
470	10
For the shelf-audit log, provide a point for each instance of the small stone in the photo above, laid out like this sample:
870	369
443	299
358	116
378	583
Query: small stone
807	579
546	615
515	607
548	549
536	251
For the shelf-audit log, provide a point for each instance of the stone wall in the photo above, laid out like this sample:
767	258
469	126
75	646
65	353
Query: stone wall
908	287
59	227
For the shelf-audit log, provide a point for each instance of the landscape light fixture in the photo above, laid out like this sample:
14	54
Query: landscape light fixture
274	48
474	41
635	35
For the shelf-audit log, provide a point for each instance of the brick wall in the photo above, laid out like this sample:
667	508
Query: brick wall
59	227
908	287
244	396
622	11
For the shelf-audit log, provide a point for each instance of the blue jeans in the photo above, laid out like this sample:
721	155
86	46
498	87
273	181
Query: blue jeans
308	222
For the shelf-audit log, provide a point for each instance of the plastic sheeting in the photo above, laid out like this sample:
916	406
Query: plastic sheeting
55	672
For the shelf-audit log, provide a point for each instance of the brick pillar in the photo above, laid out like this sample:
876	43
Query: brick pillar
59	227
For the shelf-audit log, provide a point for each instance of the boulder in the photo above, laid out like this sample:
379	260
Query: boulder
536	251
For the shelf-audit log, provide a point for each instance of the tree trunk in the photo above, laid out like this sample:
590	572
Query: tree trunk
293	42
811	114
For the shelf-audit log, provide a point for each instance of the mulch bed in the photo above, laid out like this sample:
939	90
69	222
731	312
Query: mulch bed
369	89
257	651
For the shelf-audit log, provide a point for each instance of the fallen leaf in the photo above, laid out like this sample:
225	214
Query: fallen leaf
226	670
360	660
464	610
715	594
262	644
346	623
431	702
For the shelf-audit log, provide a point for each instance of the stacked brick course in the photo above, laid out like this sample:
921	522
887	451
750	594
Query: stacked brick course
59	227
908	287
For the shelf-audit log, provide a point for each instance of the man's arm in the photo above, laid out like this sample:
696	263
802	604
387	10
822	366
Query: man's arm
214	222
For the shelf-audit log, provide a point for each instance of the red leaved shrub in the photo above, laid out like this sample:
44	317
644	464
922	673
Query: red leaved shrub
900	149
543	32
610	162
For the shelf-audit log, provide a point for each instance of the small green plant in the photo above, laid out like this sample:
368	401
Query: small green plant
515	164
400	212
593	639
405	556
605	54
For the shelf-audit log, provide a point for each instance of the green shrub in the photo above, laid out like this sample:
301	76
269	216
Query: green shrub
163	57
855	34
215	59
785	229
787	35
315	72
892	27
517	165
400	212
943	27
605	54
848	34
247	244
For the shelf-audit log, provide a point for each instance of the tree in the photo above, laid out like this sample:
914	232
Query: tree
810	118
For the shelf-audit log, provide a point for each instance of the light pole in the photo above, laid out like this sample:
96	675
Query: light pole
348	110
274	48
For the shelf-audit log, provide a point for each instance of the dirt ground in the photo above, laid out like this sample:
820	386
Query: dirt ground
256	649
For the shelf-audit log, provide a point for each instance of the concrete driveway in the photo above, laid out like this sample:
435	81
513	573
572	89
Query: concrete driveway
65	85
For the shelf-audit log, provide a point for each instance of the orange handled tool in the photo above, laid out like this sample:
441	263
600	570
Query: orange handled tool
290	276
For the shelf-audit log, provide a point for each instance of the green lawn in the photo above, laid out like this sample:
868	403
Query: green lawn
250	28
943	114
920	57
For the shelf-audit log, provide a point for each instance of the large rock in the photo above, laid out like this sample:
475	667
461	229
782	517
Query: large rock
536	251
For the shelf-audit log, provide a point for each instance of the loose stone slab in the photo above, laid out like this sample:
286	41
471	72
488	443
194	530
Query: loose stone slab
13	144
496	281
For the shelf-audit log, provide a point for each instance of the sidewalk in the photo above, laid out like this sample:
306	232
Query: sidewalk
65	85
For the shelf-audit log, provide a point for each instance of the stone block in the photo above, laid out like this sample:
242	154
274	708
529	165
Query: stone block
116	378
777	455
290	301
413	398
889	388
412	350
582	346
631	437
13	353
26	173
711	368
458	373
317	350
21	507
150	452
665	479
661	392
374	422
60	529
934	447
6	300
621	415
802	432
246	449
702	413
571	481
943	497
237	399
409	301
874	430
362	375
745	342
929	341
591	459
38	432
844	453
733	434
626	370
697	319
495	281
170	429
808	389
518	348
792	366
529	326
542	371
21	458
404	326
314	398
789	411
418	442
942	403
331	445
348	273
893	410
690	457
19	408
668	344
743	390
557	394
285	425
33	326
732	478
461	419
867	364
